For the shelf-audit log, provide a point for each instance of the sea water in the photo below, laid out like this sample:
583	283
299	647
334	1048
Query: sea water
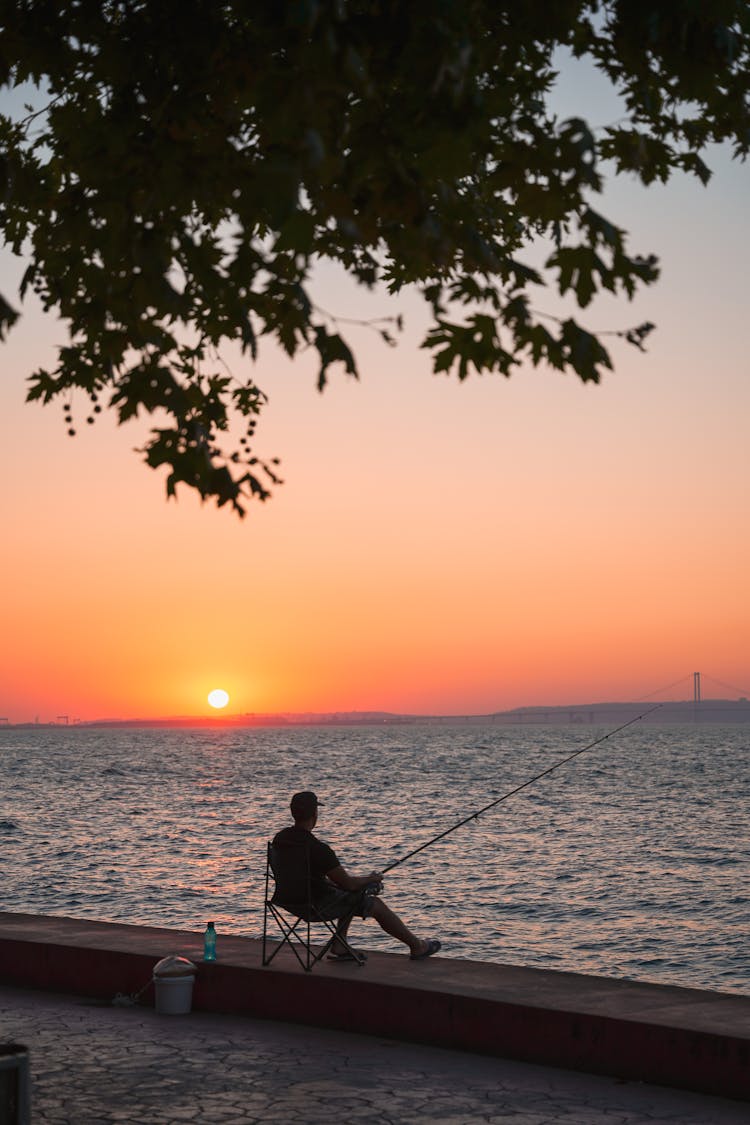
631	861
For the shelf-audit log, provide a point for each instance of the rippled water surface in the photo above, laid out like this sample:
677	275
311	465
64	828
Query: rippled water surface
631	861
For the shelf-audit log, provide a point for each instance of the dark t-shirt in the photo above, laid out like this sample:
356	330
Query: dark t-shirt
322	856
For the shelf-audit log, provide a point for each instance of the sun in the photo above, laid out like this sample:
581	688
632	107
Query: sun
218	698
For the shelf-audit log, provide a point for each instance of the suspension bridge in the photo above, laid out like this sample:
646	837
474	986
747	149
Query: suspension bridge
694	697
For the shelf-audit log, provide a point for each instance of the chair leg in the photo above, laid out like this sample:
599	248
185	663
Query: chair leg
290	938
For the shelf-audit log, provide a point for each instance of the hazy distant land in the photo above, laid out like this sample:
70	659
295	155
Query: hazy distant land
591	714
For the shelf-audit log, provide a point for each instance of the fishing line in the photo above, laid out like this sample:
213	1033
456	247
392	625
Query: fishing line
518	788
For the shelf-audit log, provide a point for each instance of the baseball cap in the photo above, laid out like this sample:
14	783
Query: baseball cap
304	804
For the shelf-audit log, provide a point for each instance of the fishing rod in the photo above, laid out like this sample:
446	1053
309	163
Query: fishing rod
518	788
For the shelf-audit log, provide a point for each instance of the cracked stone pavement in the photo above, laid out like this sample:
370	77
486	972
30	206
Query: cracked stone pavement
93	1064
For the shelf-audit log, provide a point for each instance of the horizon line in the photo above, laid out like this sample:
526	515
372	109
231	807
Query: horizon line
291	718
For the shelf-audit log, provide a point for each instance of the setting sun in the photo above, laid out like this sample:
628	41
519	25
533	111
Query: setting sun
218	698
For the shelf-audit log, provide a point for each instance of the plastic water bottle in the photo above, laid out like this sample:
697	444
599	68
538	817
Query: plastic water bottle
209	943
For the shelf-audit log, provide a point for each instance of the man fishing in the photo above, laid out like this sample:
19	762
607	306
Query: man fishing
335	893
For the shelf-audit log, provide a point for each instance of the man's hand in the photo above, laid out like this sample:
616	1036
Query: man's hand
374	884
347	882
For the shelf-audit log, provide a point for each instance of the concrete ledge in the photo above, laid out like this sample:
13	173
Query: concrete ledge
677	1037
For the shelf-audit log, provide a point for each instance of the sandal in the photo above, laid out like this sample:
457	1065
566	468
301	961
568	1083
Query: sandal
341	957
433	945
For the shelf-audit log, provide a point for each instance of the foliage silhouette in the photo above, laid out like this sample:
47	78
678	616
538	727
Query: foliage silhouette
193	160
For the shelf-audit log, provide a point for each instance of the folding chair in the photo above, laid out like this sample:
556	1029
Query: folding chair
292	908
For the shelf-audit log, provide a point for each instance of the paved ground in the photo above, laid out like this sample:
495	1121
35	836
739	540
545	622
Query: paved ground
93	1064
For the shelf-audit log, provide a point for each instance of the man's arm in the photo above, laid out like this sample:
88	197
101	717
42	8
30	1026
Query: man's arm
341	877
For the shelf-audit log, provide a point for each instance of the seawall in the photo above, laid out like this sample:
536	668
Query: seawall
680	1037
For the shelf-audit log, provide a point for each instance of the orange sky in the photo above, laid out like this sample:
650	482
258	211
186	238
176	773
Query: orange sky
436	547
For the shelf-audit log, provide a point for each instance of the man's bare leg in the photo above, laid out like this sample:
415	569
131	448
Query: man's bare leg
342	930
393	925
387	921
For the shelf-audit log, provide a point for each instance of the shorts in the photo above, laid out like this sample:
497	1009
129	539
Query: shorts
335	903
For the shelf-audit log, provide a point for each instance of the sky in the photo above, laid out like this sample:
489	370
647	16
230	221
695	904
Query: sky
436	547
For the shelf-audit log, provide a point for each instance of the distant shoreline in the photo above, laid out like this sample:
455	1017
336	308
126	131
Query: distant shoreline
589	714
